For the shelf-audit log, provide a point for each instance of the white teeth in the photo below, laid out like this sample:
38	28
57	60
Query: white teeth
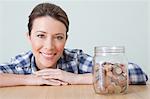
48	55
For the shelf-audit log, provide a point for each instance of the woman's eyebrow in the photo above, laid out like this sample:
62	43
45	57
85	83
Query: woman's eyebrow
60	34
46	32
41	31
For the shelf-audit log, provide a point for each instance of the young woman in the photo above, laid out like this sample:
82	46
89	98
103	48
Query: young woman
49	63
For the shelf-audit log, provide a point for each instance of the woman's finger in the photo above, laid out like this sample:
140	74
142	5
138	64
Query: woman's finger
52	82
47	72
52	76
56	82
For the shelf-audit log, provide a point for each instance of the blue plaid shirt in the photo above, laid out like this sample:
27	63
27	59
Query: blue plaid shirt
74	61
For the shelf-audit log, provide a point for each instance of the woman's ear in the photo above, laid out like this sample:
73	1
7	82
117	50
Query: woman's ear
28	37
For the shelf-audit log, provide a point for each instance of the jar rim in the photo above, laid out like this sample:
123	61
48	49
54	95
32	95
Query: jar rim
109	49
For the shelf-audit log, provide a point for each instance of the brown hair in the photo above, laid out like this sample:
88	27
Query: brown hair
48	9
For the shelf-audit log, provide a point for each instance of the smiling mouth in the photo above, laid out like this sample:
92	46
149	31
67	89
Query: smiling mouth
48	55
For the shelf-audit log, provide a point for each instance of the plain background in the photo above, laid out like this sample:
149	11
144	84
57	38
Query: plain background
92	23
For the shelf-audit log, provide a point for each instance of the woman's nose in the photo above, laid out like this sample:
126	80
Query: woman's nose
49	44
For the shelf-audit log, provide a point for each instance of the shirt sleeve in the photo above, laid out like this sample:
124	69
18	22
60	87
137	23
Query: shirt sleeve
136	74
85	62
7	68
19	64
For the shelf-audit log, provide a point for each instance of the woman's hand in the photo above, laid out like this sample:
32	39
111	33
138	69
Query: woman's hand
38	80
58	75
66	77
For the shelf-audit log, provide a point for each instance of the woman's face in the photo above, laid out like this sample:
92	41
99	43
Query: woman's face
48	38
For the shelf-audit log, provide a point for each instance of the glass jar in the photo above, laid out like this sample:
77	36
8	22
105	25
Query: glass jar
110	73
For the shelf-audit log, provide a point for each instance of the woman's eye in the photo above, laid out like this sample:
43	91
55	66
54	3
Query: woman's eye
60	37
40	35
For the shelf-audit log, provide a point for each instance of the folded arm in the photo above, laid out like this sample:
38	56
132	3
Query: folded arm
15	80
64	76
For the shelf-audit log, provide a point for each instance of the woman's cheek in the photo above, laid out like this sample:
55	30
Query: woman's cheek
36	45
60	48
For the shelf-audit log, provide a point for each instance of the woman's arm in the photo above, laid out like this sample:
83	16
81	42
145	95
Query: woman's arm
12	79
15	80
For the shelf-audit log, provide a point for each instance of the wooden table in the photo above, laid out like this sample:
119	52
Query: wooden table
70	92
